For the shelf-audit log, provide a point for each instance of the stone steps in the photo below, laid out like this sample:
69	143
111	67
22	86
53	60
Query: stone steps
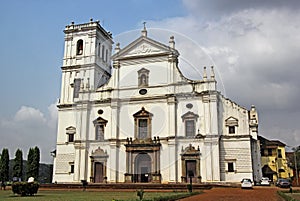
137	186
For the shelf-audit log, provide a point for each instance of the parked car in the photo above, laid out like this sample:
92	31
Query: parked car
265	181
283	183
246	183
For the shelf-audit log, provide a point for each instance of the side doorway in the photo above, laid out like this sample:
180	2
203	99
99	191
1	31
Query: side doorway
98	172
190	163
191	170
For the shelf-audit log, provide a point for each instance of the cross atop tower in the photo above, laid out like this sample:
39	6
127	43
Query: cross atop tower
144	31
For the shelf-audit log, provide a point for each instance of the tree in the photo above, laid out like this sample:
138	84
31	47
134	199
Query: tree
29	168
36	162
33	163
4	165
18	164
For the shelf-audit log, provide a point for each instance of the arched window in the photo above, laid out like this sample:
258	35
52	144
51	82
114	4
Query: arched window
143	77
79	47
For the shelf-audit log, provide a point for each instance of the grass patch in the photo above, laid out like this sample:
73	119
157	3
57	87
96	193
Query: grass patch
65	195
290	196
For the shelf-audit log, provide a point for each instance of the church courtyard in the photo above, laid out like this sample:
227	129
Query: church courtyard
224	194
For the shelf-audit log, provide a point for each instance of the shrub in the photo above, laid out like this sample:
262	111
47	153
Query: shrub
25	188
140	194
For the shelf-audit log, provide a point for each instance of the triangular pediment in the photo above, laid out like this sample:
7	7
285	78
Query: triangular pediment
100	120
231	121
142	113
189	115
143	46
71	130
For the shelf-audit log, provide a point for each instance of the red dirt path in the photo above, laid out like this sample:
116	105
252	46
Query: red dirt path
237	194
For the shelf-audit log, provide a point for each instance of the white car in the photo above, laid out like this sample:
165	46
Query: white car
265	181
246	183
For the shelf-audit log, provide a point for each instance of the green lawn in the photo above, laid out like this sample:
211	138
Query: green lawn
65	195
290	196
295	196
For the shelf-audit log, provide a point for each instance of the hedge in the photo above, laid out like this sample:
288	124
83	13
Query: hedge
25	188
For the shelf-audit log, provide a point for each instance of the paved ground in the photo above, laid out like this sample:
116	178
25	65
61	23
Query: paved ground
238	194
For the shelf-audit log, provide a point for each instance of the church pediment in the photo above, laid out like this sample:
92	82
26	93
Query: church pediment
143	46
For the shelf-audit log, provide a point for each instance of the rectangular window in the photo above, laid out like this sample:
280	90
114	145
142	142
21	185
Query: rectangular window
77	83
100	132
230	167
269	152
143	128
189	128
106	55
72	168
102	56
263	152
231	129
279	153
99	49
71	138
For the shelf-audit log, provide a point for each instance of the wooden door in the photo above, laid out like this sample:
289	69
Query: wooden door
191	170
98	173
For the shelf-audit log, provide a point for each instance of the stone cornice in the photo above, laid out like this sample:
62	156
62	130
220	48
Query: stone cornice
108	100
67	105
75	67
234	136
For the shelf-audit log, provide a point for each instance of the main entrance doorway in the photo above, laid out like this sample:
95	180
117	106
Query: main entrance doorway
98	174
142	168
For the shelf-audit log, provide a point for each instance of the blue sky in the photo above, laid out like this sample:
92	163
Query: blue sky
32	34
254	46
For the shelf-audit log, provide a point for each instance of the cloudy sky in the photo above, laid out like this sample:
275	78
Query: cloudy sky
254	46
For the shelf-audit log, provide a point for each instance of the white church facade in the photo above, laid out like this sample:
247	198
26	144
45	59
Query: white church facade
133	117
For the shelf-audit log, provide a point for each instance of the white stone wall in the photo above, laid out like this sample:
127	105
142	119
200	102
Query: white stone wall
237	151
168	95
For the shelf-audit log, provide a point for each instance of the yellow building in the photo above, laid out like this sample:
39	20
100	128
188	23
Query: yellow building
273	159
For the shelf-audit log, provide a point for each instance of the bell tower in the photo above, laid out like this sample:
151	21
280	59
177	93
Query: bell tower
86	61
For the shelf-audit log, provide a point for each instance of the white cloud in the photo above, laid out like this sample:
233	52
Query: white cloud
255	48
52	123
29	114
29	128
